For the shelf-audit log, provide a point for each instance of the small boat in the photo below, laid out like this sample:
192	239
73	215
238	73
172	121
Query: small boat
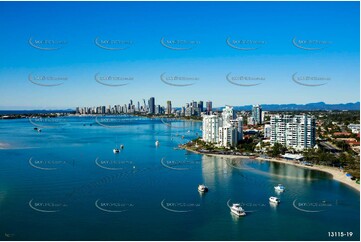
274	200
280	188
39	130
237	209
202	188
35	128
115	150
157	143
121	146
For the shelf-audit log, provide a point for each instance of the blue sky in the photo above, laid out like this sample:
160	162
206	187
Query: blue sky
274	24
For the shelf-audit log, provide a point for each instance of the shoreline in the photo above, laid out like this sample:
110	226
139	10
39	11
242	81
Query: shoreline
337	175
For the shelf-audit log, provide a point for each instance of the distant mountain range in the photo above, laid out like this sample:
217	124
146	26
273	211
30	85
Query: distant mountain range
301	107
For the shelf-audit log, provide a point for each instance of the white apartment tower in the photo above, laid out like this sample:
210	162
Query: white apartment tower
225	130
211	124
296	131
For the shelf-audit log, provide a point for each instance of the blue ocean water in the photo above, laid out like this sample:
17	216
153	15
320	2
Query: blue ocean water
65	183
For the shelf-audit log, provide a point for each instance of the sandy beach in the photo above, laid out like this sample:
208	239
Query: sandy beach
336	173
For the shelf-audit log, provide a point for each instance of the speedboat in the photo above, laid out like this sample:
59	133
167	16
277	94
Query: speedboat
237	209
122	146
280	188
39	130
157	143
274	200
202	188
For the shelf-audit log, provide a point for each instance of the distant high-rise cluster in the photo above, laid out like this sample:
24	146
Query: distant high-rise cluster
192	109
224	130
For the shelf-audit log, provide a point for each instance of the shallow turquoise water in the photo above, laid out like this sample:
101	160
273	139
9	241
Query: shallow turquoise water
65	183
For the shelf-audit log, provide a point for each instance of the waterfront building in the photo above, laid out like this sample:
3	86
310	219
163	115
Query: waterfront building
296	131
157	109
169	107
227	136
183	110
188	111
210	128
225	130
200	106
151	104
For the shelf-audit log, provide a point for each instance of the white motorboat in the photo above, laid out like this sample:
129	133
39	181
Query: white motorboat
157	143
274	200
280	188
202	188
116	151
237	209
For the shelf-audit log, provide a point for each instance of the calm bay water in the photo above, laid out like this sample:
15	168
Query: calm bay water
65	183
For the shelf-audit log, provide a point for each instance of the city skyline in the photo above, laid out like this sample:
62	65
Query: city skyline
280	57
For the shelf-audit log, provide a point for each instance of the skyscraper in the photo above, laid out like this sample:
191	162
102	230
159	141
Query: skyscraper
151	104
169	107
194	104
209	107
257	114
200	106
